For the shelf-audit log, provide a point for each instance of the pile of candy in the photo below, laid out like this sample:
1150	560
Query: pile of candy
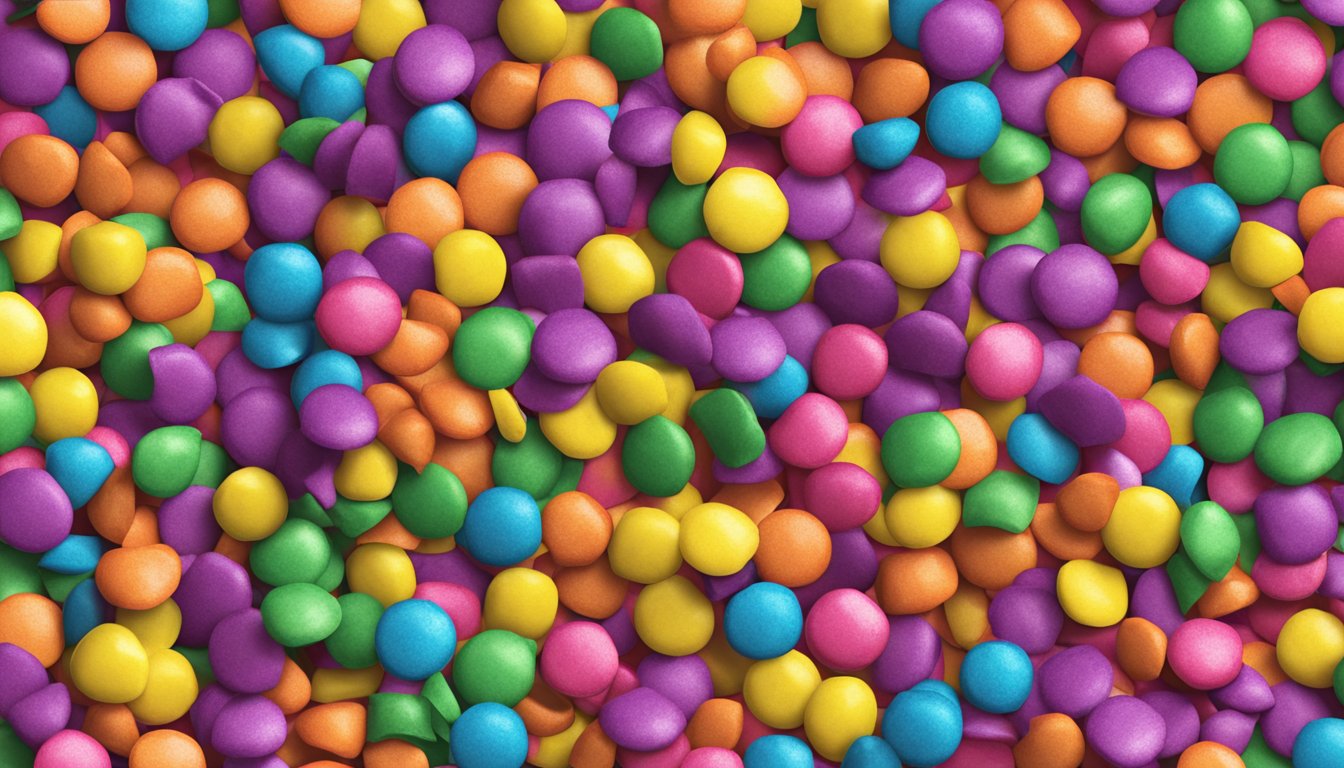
656	383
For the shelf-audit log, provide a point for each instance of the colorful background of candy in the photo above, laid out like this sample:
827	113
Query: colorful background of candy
696	383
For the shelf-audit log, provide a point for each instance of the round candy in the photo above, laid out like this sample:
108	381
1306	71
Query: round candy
414	639
744	210
996	676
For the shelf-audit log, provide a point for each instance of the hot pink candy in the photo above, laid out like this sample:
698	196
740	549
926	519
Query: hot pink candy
72	749
579	659
846	630
359	316
811	432
1286	59
1004	361
1205	653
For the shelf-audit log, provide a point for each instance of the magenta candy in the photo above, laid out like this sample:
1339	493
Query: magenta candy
1288	582
712	757
184	385
1171	275
359	316
929	343
243	656
849	362
707	275
248	726
1156	322
820	140
1286	60
72	749
854	291
285	198
1147	436
643	720
846	630
578	659
810	433
1111	44
842	495
670	756
820	207
460	602
572	346
643	137
35	513
1205	653
1004	361
1322	266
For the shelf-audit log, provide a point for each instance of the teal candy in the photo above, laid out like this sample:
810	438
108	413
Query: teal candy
1004	500
770	396
532	464
658	456
165	460
321	368
1178	474
885	144
414	639
870	752
70	118
272	345
725	418
82	610
432	503
80	467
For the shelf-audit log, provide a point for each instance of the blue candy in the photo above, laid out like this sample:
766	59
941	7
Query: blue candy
1041	450
83	609
1319	744
884	144
286	55
489	735
167	25
330	91
77	554
80	467
414	639
439	140
1178	475
870	752
963	120
70	118
1201	220
923	724
906	18
322	368
503	527
778	751
770	396
277	345
283	282
763	621
996	677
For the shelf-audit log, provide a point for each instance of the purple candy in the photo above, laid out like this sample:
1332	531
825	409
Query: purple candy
1022	97
1157	81
212	588
746	348
206	708
1180	717
285	198
34	67
383	99
560	216
913	650
863	237
1065	180
1155	600
39	715
403	261
433	64
684	680
1260	342
764	467
235	375
1075	286
568	140
249	726
820	207
345	265
572	346
667	325
184	385
21	675
910	188
187	521
952	299
35	513
174	115
331	162
547	283
1059	362
643	720
1333	584
337	416
802	326
900	394
1076	680
853	565
473	18
243	656
617	183
1084	411
255	423
1127	731
643	137
1295	525
854	291
376	168
1228	727
961	38
1247	693
222	60
1005	283
1294	706
929	343
719	588
537	393
1127	8
1027	616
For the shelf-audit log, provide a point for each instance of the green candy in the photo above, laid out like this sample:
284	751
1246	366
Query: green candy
921	449
1210	539
431	504
1298	448
59	585
1227	424
658	457
730	426
1259	755
1254	163
806	30
1186	580
231	312
17	414
165	460
1306	169
18	572
12	749
1040	233
360	68
351	645
532	464
300	614
1250	541
1214	35
155	230
628	42
1339	682
676	214
1115	212
399	716
302	137
220	12
1317	113
298	551
199	659
495	665
1003	500
492	347
776	277
441	697
6	274
11	216
125	363
1225	376
570	474
353	518
306	508
1015	156
214	466
334	573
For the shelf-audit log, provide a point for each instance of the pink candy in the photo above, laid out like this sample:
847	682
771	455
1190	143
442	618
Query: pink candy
359	316
1004	361
1205	653
72	749
579	659
846	630
811	432
1286	59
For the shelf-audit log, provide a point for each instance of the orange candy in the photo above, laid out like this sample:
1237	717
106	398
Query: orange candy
705	17
113	726
716	723
166	748
33	623
1052	740
114	71
394	753
1319	205
469	460
138	578
593	591
1038	33
337	728
979	449
154	187
1120	362
1224	102
593	749
1061	539
1235	591
209	215
794	549
322	18
575	528
414	349
825	72
999	209
506	97
1194	349
1209	754
1084	117
989	557
890	88
39	169
1162	142
1085	502
428	208
915	580
294	690
493	187
577	77
690	76
1140	648
457	409
169	287
103	185
729	49
545	712
74	22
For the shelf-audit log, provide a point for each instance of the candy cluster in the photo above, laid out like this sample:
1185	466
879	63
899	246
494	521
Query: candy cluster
658	383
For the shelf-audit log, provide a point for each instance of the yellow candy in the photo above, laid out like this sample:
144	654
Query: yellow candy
383	24
920	251
718	540
744	209
1319	324
522	601
978	320
1144	528
616	273
999	414
170	689
337	684
659	256
765	91
1092	594
922	517
509	417
469	268
1226	297
727	667
250	504
553	751
66	403
381	570
1310	646
32	254
839	711
673	617
582	431
1134	253
23	335
579	31
645	545
157	628
679	385
367	473
194	325
967	614
350	224
110	665
769	19
533	30
245	132
1263	257
777	690
910	299
864	448
854	28
698	146
630	392
1176	400
681	502
877	530
107	257
206	271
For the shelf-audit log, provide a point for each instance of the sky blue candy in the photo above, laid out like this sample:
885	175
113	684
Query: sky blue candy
70	118
763	621
322	368
414	639
80	467
503	527
778	750
1201	220
167	25
286	55
277	345
923	724
83	609
1319	744
996	676
870	752
770	396
439	140
488	735
330	91
1178	475
1041	450
611	110
963	120
906	18
77	554
283	282
884	144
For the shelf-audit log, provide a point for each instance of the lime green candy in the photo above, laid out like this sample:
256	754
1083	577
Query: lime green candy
1214	35
353	518
165	460
221	12
231	312
1003	500
628	42
300	614
492	347
1298	448
532	464
495	665
1041	233
125	363
1210	538
730	426
298	551
1306	169
1186	580
921	449
399	716
676	214
155	230
11	216
658	457
1254	163
17	414
776	277
1227	424
307	508
1115	212
351	645
302	137
430	504
1015	156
